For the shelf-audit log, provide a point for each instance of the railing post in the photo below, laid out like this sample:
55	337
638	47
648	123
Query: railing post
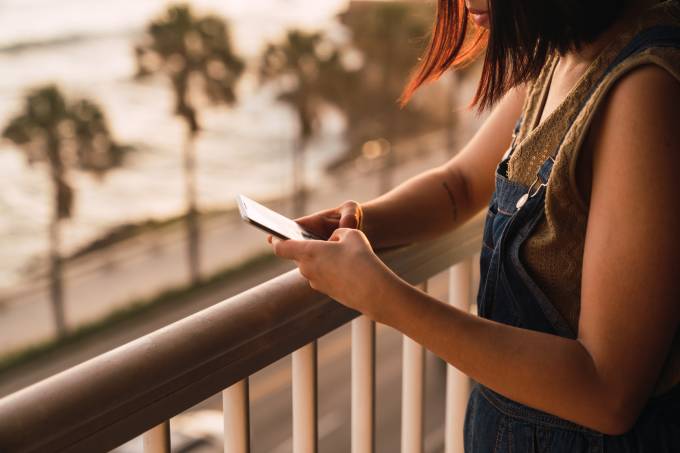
157	439
304	399
457	383
236	418
363	385
412	401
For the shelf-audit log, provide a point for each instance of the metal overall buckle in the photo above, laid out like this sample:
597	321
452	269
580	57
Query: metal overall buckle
533	190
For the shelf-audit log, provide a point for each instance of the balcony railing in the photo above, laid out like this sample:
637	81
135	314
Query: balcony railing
136	388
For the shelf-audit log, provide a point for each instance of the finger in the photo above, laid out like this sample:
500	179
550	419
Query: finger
269	238
319	224
349	216
339	234
316	218
311	222
349	236
290	249
287	249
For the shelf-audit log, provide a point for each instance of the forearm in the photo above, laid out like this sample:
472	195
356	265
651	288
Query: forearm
439	200
420	208
547	372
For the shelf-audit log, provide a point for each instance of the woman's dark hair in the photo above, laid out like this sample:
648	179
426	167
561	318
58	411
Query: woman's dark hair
522	35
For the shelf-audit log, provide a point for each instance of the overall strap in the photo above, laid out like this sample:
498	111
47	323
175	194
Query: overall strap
660	36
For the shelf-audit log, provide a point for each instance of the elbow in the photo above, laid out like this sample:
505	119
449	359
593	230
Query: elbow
617	418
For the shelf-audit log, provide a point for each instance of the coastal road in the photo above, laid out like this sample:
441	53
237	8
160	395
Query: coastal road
97	284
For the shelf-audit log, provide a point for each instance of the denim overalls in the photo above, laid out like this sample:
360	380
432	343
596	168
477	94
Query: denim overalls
509	295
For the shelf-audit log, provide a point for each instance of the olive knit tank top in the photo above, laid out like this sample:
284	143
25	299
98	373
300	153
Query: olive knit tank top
553	253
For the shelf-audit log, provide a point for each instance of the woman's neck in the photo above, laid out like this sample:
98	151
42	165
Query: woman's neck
572	65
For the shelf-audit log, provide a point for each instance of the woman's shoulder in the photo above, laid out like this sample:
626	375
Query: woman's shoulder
655	68
634	91
638	115
648	84
640	86
641	108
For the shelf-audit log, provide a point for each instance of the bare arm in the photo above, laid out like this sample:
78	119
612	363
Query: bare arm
630	291
442	198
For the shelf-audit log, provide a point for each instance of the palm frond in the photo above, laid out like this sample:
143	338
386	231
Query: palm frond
185	47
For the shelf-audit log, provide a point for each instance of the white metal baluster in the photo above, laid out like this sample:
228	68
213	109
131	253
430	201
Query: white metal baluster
363	385
457	383
412	401
157	439
304	400
236	409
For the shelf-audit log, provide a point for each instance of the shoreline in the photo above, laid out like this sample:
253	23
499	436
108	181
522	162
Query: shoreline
36	271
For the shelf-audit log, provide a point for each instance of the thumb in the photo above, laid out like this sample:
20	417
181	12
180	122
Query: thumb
339	234
350	216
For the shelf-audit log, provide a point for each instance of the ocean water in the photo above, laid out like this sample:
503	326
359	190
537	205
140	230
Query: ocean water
85	46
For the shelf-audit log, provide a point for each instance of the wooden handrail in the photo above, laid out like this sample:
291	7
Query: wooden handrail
118	395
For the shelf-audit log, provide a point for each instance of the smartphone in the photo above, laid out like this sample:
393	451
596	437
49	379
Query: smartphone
271	221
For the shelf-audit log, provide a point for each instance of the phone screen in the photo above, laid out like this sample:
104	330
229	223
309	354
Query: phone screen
271	221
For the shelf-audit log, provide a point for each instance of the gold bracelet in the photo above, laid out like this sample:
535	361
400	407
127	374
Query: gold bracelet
360	215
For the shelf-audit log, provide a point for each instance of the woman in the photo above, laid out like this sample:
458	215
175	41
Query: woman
576	345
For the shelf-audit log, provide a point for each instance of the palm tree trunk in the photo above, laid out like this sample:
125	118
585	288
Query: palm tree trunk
56	277
299	189
192	220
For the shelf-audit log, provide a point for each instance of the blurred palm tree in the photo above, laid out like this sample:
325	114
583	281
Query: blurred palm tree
64	135
309	69
390	37
196	54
